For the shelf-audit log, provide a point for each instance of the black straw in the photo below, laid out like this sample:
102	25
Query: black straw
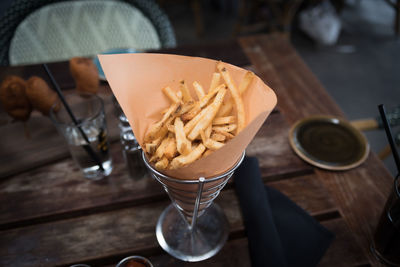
389	136
87	147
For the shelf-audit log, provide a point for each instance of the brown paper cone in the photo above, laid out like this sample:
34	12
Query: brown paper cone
137	80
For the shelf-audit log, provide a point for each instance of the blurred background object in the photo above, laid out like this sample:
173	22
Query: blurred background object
46	31
359	71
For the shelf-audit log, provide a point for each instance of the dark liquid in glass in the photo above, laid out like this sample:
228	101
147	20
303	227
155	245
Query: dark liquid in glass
387	236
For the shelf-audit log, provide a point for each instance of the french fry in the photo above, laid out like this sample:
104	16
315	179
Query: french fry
171	128
208	131
214	81
223	120
150	148
185	92
209	122
209	116
226	128
204	101
209	143
225	109
182	144
179	95
193	112
218	137
170	150
162	164
183	160
155	130
208	152
189	126
170	94
226	134
199	90
161	148
244	84
186	107
213	145
236	96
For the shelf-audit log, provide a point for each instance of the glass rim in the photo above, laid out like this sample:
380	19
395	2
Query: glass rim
79	124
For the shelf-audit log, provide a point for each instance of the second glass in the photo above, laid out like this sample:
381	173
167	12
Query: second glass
93	158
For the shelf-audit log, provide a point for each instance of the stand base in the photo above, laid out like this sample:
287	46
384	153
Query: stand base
207	238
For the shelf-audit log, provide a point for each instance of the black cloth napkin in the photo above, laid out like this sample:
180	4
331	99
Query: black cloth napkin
279	232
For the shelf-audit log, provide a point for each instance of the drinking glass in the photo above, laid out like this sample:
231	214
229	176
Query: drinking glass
92	157
192	228
386	242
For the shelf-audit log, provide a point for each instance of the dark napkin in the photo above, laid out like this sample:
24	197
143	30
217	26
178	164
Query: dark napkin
280	233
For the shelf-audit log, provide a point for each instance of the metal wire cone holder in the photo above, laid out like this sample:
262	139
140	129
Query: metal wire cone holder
192	228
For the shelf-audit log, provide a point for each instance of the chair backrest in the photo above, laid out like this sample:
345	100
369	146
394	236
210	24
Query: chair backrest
57	30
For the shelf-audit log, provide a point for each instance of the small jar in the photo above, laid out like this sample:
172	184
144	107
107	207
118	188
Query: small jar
134	261
132	153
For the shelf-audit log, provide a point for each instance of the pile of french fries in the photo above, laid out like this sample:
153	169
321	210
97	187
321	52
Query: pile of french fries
193	128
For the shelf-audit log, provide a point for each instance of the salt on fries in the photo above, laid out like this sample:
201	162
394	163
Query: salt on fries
194	127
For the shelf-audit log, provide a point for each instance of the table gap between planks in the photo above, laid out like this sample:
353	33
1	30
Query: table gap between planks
51	216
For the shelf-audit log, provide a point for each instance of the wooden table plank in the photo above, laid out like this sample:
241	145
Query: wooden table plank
100	236
361	192
342	252
36	190
271	147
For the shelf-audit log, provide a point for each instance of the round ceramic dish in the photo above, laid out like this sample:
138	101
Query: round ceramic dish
328	142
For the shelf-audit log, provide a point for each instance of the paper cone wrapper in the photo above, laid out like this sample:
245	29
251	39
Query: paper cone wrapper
137	79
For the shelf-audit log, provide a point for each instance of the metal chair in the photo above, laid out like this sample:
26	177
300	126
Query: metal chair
54	30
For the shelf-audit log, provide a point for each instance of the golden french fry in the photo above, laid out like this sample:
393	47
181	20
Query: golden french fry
162	164
226	128
183	160
171	128
150	148
209	116
170	150
189	125
214	81
226	134
155	130
199	90
204	101
179	95
218	137
161	148
223	120
185	91
244	84
186	107
213	145
209	143
208	152
225	109
208	131
193	112
170	94
183	145
236	96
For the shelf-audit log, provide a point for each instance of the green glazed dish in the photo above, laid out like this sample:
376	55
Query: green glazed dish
328	142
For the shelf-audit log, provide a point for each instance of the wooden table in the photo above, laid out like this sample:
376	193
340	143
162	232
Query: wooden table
50	215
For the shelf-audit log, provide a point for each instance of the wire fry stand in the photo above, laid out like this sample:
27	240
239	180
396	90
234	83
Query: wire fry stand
192	228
